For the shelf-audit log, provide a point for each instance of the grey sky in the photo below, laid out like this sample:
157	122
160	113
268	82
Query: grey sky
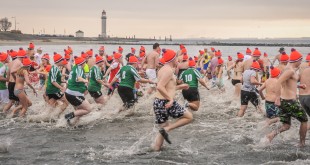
180	18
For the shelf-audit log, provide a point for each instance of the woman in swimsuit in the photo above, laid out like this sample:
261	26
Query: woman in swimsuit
22	76
238	70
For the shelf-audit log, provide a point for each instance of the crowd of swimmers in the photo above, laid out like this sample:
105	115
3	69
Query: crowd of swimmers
285	86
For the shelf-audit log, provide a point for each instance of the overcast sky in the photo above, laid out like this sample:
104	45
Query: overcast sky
179	18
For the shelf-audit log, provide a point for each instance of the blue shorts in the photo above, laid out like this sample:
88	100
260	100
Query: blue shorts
205	66
272	110
199	69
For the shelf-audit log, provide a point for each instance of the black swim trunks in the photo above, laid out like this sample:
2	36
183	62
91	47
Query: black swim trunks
127	96
74	100
11	87
191	94
234	82
162	114
247	96
305	102
291	108
55	96
96	94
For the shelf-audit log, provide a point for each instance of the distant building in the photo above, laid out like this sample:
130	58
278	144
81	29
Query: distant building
104	24
79	33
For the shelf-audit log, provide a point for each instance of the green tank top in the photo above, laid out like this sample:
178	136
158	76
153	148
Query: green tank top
94	75
191	76
53	76
3	70
73	85
128	76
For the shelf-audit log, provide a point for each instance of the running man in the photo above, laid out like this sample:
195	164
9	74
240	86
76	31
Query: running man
152	63
112	71
272	111
164	104
286	92
277	57
304	93
54	90
248	91
284	59
228	65
75	93
192	76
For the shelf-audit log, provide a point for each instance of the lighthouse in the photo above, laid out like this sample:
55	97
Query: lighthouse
104	24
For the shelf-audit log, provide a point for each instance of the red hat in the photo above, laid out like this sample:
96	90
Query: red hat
275	72
229	58
182	46
26	62
191	62
90	53
142	49
184	51
34	64
308	58
201	52
31	46
185	57
255	66
120	48
46	57
248	51
220	61
196	58
13	54
162	61
284	57
218	53
64	62
101	48
57	58
133	50
295	56
169	55
3	57
133	59
67	56
21	53
142	54
117	56
212	49
84	55
67	52
265	54
240	56
79	60
48	68
256	53
98	59
109	58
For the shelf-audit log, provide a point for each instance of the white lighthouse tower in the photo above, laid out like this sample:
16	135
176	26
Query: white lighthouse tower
104	24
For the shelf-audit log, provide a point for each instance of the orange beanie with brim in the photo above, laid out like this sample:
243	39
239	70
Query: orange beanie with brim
248	51
3	57
57	58
133	60
79	60
117	56
185	57
308	58
98	59
255	66
45	57
162	61
191	62
31	46
284	57
256	53
240	56
275	72
21	53
169	55
220	61
295	56
27	62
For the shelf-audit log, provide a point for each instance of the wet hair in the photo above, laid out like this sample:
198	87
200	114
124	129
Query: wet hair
155	46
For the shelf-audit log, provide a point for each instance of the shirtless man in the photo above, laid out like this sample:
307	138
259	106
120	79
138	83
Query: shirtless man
237	76
272	110
92	59
284	59
255	56
229	64
164	104
304	93
182	66
277	57
13	68
286	93
179	52
266	62
152	63
304	64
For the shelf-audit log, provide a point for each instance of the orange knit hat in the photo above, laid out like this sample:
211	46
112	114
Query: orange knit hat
240	56
79	60
67	56
185	57
275	72
308	58
196	58
133	59
142	49
191	62
117	56
169	55
101	48
57	58
295	56
3	57
84	55
45	57
98	59
109	58
162	61
182	46
265	54
229	58
201	52
142	54
284	57
184	51
26	62
255	66
248	51
120	48
220	61
133	50
21	53
90	52
13	54
213	49
31	46
64	62
256	53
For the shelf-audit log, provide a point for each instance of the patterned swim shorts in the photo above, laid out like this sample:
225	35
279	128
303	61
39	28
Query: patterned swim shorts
291	108
162	114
